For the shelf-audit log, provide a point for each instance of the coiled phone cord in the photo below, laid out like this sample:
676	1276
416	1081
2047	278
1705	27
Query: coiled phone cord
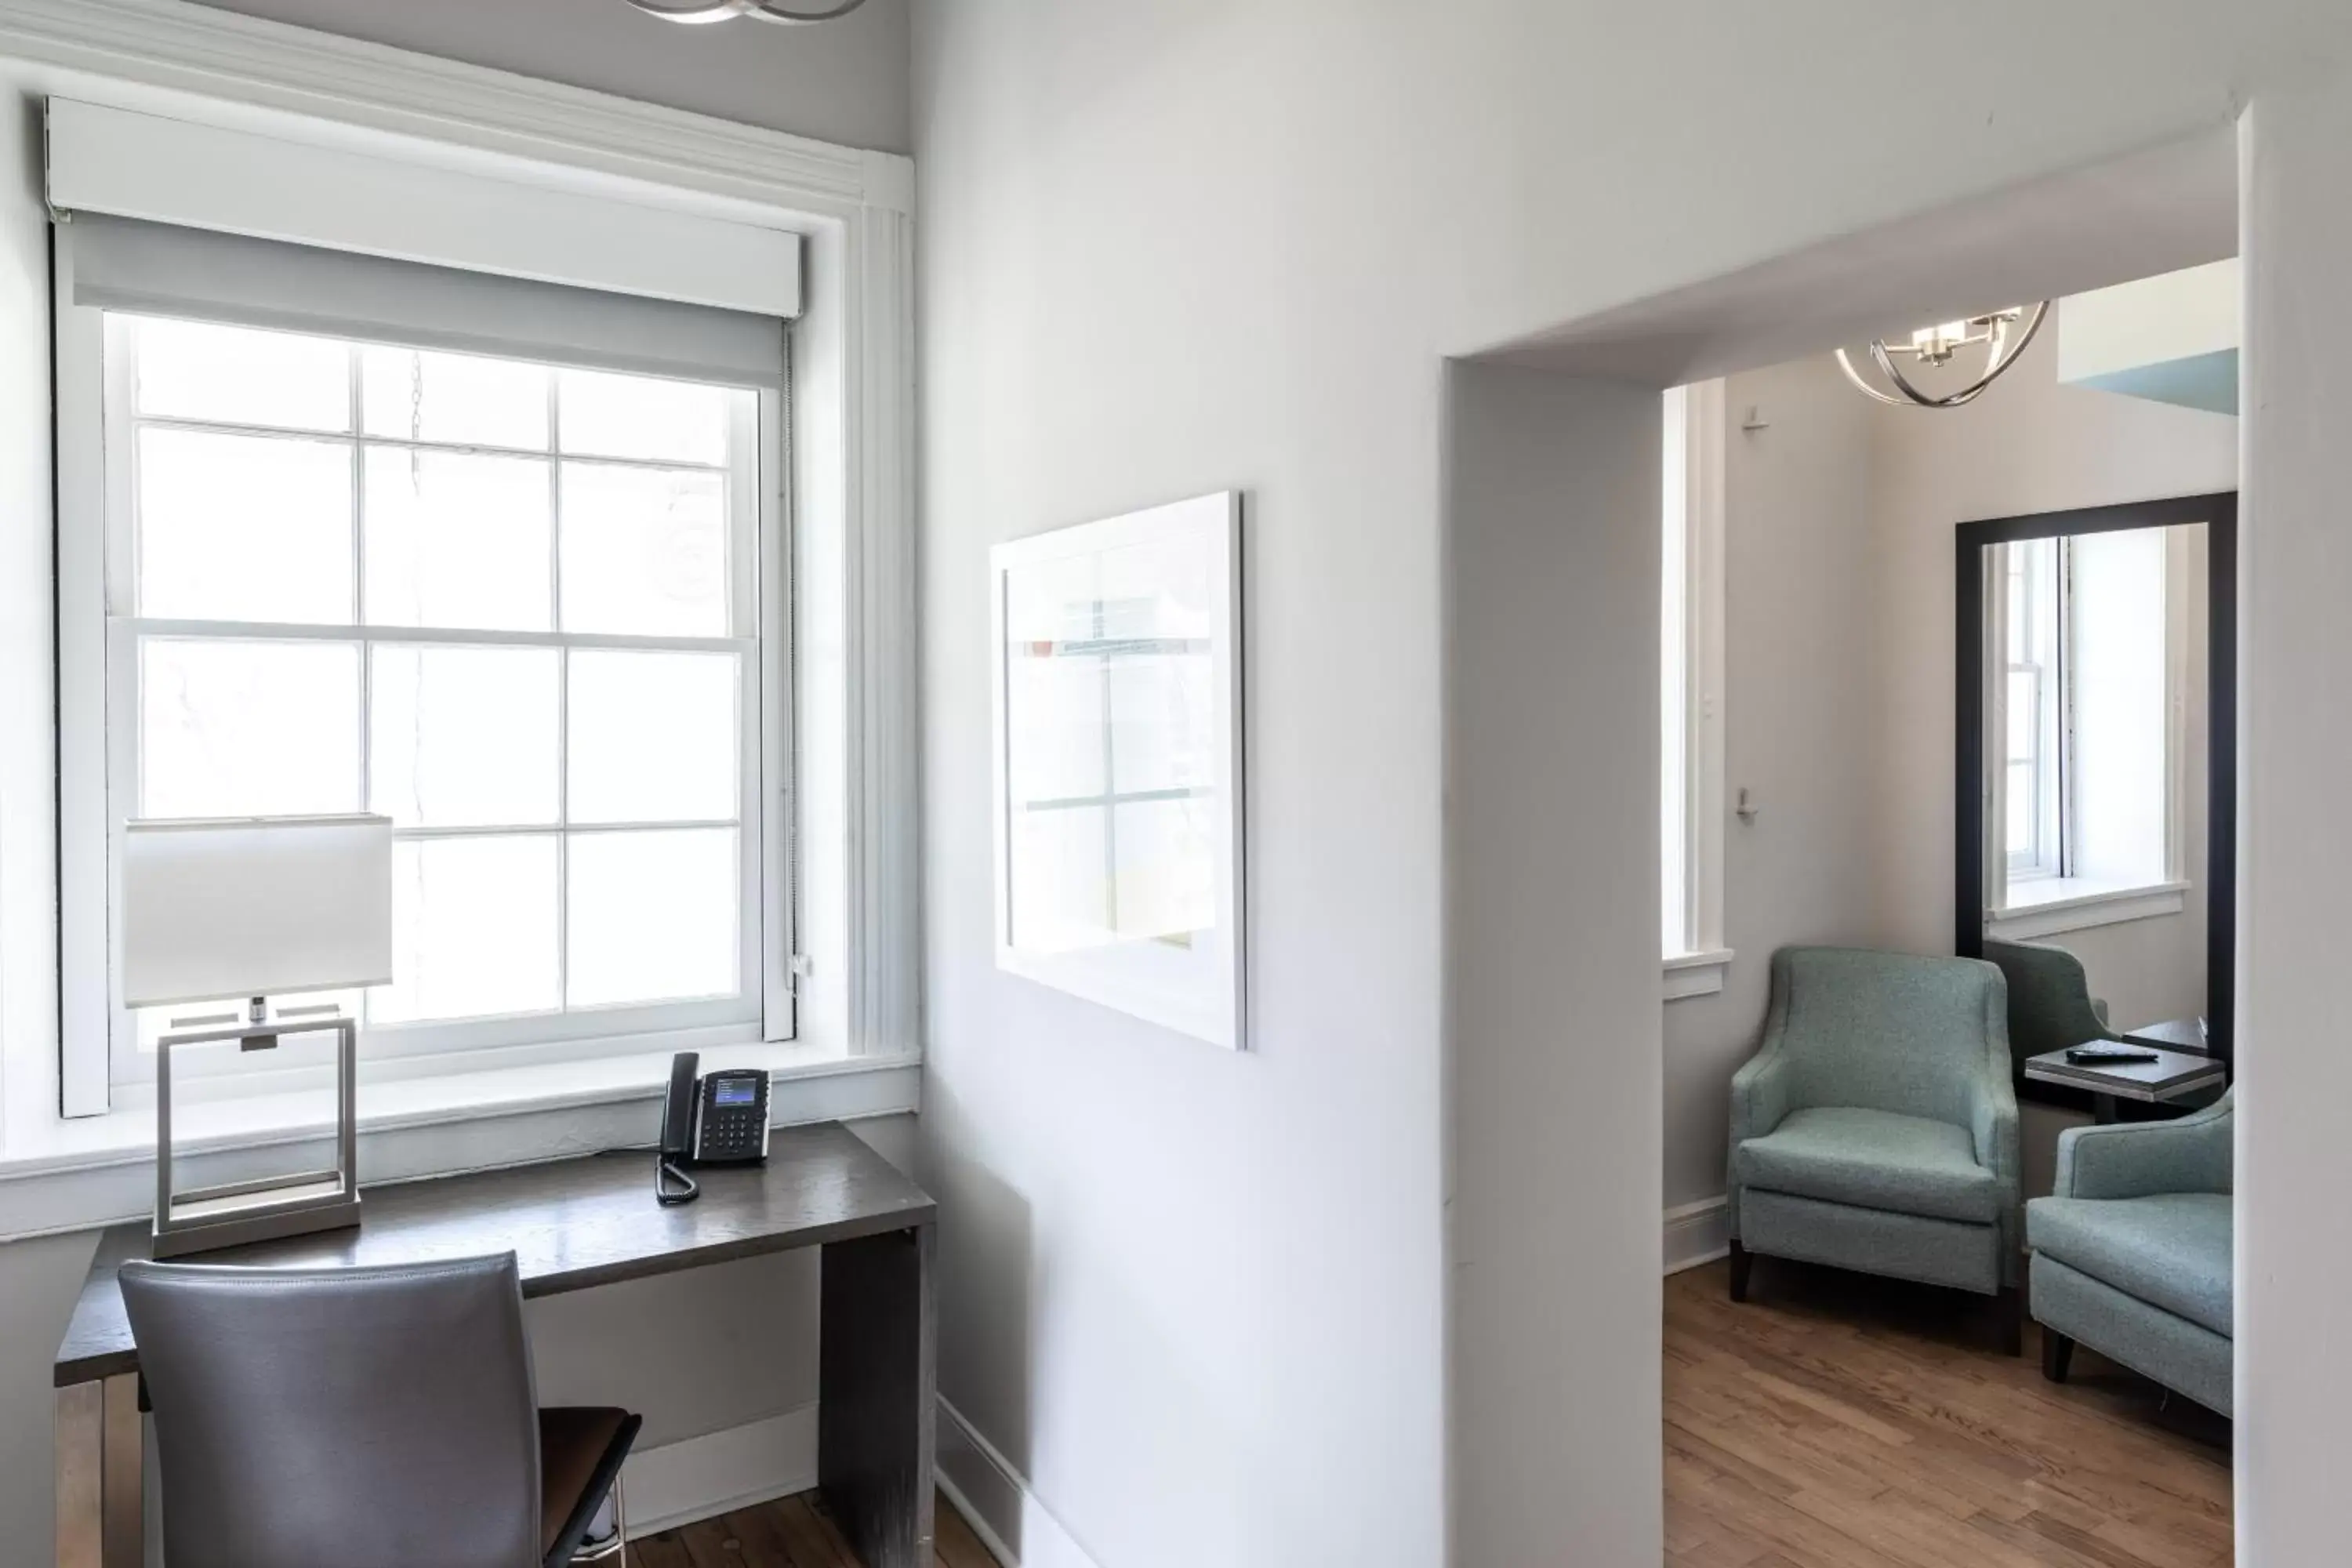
666	1171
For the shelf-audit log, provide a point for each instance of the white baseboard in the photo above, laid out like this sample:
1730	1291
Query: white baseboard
701	1477
995	1500
1697	1233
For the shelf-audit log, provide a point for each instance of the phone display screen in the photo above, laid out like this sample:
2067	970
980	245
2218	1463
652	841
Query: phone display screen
735	1091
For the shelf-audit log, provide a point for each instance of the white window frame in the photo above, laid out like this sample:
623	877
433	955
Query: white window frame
2047	604
2062	902
1691	690
97	494
857	972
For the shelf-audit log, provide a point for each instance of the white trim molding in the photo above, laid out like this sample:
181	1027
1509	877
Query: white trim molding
259	72
1695	565
701	1477
100	1170
857	965
2111	907
1696	1233
1697	974
995	1500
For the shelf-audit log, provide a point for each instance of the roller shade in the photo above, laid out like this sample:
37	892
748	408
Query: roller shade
122	264
399	202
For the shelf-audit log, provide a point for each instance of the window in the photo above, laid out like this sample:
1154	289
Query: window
1690	666
2090	715
2033	732
513	602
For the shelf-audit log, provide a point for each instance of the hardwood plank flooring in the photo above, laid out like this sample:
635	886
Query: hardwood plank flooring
1834	1421
790	1533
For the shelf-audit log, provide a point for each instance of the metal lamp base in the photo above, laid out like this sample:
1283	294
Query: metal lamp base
269	1207
264	1219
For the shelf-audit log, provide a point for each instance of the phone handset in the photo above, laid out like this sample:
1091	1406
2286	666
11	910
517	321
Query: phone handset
671	1183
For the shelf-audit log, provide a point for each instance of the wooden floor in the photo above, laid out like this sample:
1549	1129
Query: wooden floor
791	1533
1832	1422
1836	1421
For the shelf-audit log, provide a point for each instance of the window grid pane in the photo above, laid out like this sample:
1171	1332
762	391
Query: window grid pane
446	513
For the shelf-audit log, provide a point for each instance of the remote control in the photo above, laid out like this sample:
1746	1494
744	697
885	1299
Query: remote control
2100	1055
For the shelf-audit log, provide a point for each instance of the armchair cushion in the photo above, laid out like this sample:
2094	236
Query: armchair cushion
1873	1158
2170	1250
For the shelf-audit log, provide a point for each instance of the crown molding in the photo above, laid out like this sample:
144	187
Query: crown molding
222	56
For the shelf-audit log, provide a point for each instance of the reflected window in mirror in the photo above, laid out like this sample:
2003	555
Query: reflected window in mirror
2086	732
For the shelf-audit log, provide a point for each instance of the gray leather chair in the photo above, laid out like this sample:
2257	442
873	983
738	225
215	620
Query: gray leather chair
363	1418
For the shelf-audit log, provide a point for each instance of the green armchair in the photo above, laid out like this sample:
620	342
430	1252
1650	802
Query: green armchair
2051	1007
2131	1255
1877	1128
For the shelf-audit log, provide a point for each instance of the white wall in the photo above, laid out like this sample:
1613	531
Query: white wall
2029	444
844	82
1551	593
1170	246
1839	687
2294	1234
1801	673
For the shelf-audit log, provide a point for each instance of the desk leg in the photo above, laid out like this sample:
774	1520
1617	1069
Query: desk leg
126	1438
877	1395
2103	1109
81	1470
100	1452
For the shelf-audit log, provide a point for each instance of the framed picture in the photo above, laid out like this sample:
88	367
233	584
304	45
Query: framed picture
1117	682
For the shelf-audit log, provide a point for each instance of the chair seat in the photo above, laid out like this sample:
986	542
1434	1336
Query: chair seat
580	1452
1874	1160
2170	1250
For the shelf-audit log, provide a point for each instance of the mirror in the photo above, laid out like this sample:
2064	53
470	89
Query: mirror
2097	800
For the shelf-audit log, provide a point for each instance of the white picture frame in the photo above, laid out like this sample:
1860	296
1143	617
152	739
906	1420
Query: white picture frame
1116	683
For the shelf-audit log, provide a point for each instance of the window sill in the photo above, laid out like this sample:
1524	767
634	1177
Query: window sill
1697	974
69	1176
2068	910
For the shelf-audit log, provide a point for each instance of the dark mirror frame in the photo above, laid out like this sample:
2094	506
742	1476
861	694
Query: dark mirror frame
2220	514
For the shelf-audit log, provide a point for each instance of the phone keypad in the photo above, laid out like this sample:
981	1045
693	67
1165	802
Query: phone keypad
733	1132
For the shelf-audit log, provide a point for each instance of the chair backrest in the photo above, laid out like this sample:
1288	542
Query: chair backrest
1888	1031
354	1416
2050	1007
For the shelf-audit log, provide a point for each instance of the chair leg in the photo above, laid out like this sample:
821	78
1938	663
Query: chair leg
2057	1354
2013	1321
1741	1261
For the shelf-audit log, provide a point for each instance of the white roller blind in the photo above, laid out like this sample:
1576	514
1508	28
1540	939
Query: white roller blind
122	264
132	164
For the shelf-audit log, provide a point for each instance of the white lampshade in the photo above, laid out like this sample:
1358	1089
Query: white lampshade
255	907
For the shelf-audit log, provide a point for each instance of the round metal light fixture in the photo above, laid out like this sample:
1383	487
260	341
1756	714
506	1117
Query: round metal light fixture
1938	346
725	10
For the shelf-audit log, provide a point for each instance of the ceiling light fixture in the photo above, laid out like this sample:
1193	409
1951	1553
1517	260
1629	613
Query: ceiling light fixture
1937	345
723	10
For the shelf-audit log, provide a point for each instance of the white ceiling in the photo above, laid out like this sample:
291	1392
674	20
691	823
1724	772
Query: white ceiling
2155	211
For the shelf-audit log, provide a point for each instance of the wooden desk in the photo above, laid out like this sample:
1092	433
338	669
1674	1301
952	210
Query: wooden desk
571	1225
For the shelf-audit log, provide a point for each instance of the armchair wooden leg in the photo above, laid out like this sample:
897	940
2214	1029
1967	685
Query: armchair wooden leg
2013	1321
1741	1261
2057	1354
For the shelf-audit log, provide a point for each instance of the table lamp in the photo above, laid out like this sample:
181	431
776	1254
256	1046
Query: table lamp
262	908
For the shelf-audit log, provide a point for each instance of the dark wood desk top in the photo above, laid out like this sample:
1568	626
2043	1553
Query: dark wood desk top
2172	1073
571	1224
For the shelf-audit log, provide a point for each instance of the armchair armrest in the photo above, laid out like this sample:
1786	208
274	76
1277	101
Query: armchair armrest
1992	1124
1759	1093
2139	1160
1759	1089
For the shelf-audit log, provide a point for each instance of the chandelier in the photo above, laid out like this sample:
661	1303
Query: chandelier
1999	333
765	10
